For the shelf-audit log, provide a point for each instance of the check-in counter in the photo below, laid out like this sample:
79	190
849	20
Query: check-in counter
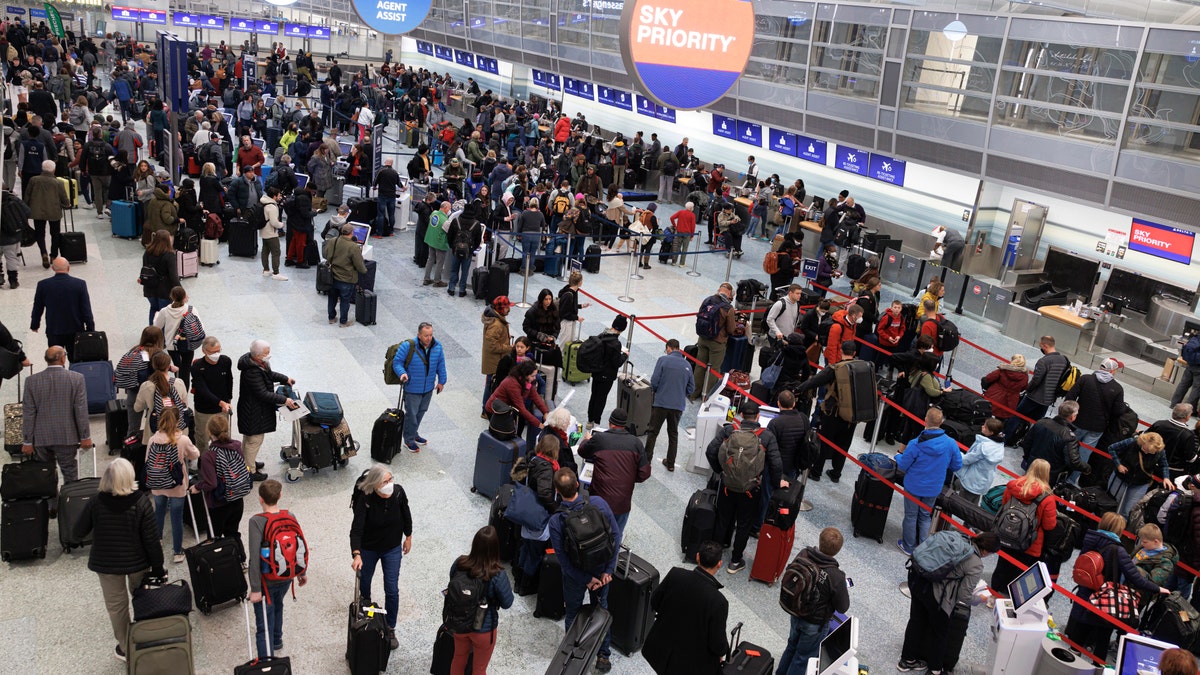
1072	333
812	238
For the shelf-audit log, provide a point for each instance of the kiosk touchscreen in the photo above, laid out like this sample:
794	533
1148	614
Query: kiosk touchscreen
1021	622
362	236
838	651
713	413
1028	591
1139	655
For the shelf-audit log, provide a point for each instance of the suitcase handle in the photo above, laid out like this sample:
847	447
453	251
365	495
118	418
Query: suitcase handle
192	512
734	636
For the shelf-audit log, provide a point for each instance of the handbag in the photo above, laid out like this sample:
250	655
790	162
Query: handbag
1116	600
525	510
503	421
770	374
154	601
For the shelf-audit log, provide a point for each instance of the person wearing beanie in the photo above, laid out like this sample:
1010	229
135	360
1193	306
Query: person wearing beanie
619	463
1101	403
497	341
606	359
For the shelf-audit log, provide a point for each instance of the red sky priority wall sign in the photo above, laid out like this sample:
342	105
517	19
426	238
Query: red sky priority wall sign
686	54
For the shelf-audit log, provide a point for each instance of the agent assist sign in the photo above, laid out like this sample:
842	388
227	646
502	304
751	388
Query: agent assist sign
392	17
686	54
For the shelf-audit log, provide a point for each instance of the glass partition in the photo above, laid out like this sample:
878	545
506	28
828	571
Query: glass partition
847	58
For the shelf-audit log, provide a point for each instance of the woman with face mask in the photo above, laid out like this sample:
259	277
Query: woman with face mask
380	534
212	387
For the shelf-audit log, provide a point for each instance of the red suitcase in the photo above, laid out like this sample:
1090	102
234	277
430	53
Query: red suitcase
773	553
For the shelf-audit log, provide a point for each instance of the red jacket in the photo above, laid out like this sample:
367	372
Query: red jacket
514	393
1003	387
929	327
839	332
1047	513
562	130
890	330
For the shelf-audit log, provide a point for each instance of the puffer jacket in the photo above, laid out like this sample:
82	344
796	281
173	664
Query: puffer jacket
1157	567
1047	372
320	171
1140	468
1003	387
496	340
541	325
161	214
112	520
539	477
839	332
1100	403
1053	439
1047	512
620	462
790	428
257	400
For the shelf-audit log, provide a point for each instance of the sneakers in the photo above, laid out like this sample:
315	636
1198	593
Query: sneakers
603	665
900	544
735	567
412	446
178	558
258	476
440	284
347	324
278	646
278	277
266	273
420	440
909	665
332	321
119	653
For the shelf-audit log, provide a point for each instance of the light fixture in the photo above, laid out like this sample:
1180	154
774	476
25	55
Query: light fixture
955	31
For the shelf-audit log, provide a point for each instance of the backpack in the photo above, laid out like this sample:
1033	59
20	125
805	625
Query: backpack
708	319
389	373
804	590
34	153
771	263
233	478
670	166
742	458
163	469
272	180
1089	570
213	227
936	557
587	359
1059	543
823	328
856	266
462	241
1069	379
131	370
947	337
191	330
97	154
588	537
465	604
284	553
1171	511
187	240
158	407
1017	523
257	217
561	204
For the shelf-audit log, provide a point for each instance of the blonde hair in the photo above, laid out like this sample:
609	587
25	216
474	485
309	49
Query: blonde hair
1112	522
1038	474
209	169
1150	532
1018	360
1151	442
118	479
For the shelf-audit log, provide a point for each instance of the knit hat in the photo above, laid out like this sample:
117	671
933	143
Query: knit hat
620	323
579	197
652	208
618	418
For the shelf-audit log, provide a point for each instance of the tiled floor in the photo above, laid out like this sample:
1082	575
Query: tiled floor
52	619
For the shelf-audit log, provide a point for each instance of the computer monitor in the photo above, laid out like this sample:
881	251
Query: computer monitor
1033	585
838	648
1138	655
766	413
345	147
301	180
259	143
362	233
228	117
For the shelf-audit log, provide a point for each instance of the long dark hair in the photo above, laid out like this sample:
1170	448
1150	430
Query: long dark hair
520	371
161	363
483	562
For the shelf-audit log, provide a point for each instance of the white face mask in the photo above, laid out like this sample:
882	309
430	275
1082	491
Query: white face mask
386	490
265	358
213	356
858	320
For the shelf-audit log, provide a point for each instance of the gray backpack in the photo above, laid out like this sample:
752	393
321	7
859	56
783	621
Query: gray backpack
742	458
936	557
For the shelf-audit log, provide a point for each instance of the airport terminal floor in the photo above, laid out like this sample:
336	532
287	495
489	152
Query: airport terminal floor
52	617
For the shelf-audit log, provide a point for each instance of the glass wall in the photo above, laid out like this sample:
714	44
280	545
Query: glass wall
780	52
1164	111
847	58
951	63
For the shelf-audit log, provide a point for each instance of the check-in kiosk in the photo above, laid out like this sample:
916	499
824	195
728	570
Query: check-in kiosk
1021	623
713	413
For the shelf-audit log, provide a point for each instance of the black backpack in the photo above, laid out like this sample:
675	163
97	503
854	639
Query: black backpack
1017	523
947	335
804	590
187	240
591	352
462	240
587	537
97	153
670	166
465	604
257	216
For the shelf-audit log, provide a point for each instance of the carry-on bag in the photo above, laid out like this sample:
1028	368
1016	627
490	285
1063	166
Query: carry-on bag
508	531
91	346
746	658
14	417
387	435
161	645
366	307
73	500
494	460
154	600
633	581
784	504
699	522
24	529
578	649
636	398
98	378
872	497
367	639
772	554
550	603
28	480
267	665
215	567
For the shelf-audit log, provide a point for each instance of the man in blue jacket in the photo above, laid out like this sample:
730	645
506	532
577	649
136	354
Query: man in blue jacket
575	581
672	383
67	305
421	366
924	462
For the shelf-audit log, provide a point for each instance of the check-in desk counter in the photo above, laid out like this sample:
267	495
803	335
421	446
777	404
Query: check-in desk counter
1072	333
812	238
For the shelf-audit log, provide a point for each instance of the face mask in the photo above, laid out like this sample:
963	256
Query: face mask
386	490
265	358
213	356
858	320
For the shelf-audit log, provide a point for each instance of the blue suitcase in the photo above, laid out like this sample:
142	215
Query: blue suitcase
739	355
323	408
554	260
494	460
100	385
125	221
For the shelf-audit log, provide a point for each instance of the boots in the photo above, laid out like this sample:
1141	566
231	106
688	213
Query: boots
12	280
45	261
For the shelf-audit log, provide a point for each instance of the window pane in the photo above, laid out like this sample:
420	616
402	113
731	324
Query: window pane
1061	58
1064	91
847	58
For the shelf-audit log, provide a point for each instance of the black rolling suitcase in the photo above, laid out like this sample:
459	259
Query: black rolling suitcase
959	431
746	658
591	259
215	566
387	436
508	531
73	500
699	522
316	446
966	407
72	245
363	210
1171	618
443	653
24	529
497	282
366	280
629	601
367	648
872	497
784	504
243	239
577	651
479	283
366	307
116	424
636	398
550	603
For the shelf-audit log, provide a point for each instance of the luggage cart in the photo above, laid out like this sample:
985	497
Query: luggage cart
342	444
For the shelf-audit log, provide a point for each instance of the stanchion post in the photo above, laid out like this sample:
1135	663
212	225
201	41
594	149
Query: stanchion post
633	273
878	422
728	263
692	272
950	366
524	303
627	297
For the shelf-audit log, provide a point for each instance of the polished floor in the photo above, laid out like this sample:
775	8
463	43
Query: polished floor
52	618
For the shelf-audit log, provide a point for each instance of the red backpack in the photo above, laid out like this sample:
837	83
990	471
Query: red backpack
1089	570
284	553
213	228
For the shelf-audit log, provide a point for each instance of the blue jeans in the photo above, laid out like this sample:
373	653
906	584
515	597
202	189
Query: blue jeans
460	272
155	305
176	504
391	579
387	210
573	596
621	521
578	247
804	641
278	591
415	406
916	520
529	249
345	292
1132	493
1086	438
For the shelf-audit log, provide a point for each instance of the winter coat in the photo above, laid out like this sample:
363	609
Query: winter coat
620	462
692	611
1100	403
1047	511
426	367
1156	567
380	523
839	332
211	194
1047	372
515	393
46	198
125	538
1003	387
790	429
541	325
1140	468
979	464
320	172
300	213
925	460
161	214
168	275
496	340
257	400
189	209
1053	439
1126	573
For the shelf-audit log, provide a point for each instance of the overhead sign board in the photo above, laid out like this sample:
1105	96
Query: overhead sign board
749	133
392	17
267	27
487	64
210	21
185	19
425	48
1171	243
725	127
852	159
662	41
318	32
783	142
886	169
125	14
295	30
811	149
241	25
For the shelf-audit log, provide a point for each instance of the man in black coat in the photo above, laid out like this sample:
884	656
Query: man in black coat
1179	443
1053	439
257	401
611	360
790	428
67	306
691	611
